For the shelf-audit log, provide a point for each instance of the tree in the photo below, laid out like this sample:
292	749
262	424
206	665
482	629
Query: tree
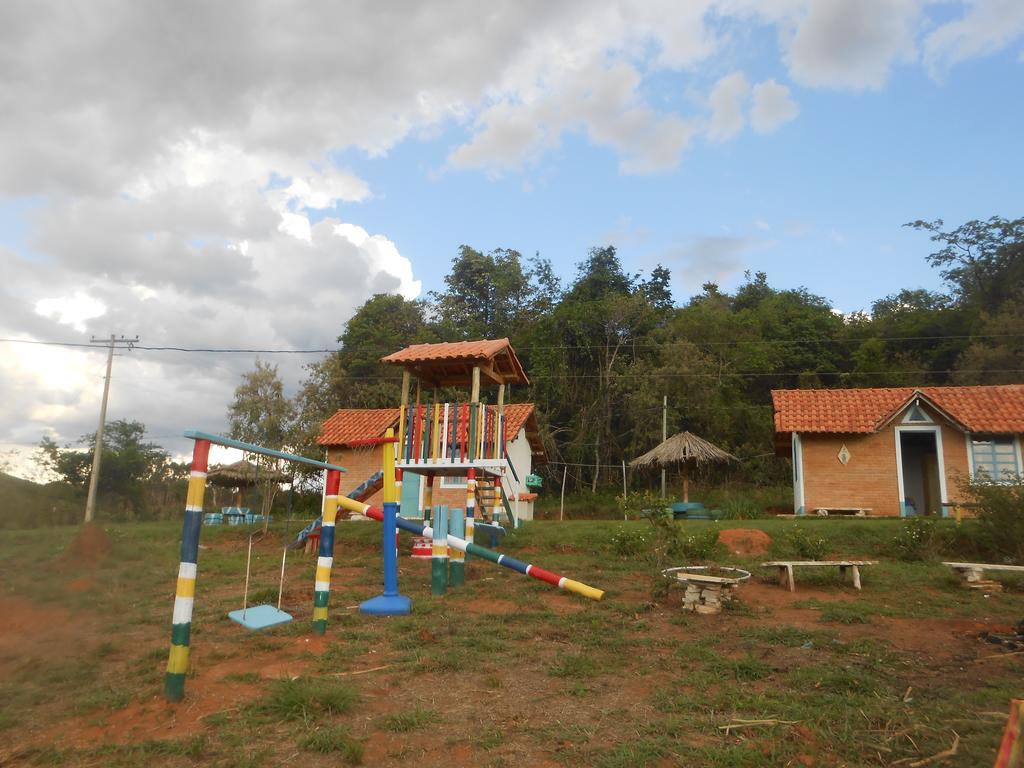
261	414
128	463
982	260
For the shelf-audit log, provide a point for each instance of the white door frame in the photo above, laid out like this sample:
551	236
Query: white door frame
799	500
936	430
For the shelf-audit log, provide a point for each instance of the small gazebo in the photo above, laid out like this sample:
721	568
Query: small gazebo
242	475
687	450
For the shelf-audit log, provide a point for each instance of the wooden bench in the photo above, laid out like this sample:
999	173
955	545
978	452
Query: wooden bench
786	569
972	574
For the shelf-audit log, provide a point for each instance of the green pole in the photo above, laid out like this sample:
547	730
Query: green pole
439	560
457	528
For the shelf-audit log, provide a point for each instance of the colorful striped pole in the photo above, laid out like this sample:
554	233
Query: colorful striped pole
439	554
390	603
428	496
185	591
322	585
456	557
454	542
497	508
470	503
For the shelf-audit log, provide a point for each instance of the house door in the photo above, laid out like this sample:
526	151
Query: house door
921	470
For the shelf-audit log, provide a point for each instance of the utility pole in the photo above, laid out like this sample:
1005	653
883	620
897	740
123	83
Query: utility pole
664	437
113	342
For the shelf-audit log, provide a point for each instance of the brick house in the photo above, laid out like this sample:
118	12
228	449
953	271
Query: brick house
897	451
343	432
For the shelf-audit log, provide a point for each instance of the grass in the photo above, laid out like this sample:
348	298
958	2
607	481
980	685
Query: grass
305	699
334	740
412	720
532	674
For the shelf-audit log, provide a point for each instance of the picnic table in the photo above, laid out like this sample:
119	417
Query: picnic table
786	569
971	574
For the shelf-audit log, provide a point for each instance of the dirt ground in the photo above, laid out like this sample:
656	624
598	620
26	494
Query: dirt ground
531	697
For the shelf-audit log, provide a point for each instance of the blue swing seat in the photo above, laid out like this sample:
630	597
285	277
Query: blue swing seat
260	617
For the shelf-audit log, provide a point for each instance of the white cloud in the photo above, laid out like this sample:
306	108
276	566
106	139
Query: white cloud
772	106
71	310
986	27
713	259
727	100
842	44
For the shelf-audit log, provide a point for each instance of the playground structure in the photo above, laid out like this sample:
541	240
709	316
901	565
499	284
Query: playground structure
435	440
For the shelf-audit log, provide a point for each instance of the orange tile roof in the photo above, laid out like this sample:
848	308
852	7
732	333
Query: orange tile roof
350	425
451	362
353	424
998	409
448	350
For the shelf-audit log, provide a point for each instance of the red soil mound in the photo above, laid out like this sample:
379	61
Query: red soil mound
89	547
746	541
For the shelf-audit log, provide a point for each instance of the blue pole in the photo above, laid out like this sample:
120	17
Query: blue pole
391	603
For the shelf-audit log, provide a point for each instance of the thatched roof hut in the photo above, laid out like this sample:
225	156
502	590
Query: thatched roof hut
685	449
244	474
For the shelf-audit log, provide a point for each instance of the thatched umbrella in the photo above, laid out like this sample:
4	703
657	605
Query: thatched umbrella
243	474
687	450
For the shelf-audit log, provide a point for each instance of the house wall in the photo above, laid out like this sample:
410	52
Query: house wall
869	479
361	463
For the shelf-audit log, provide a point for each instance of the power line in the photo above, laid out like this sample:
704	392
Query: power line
625	343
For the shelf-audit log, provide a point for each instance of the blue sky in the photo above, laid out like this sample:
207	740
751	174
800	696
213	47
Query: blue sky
253	188
822	200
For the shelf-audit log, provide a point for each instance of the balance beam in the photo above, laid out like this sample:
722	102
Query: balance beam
228	442
528	569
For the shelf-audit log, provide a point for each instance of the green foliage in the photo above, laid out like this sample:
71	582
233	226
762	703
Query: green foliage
306	699
127	465
642	504
999	528
334	740
804	545
917	539
628	542
410	720
741	509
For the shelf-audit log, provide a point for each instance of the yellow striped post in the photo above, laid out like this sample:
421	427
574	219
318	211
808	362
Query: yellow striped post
325	558
185	588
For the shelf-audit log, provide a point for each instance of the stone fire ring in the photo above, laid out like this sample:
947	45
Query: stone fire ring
706	593
698	574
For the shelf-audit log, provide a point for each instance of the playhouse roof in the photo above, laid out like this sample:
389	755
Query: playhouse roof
451	363
994	409
354	425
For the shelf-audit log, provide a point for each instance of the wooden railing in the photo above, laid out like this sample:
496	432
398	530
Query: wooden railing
450	433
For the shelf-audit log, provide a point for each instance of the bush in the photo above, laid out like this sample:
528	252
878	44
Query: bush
627	542
741	509
805	545
918	539
698	546
642	504
1000	523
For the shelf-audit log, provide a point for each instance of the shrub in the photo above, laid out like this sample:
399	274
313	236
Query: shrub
643	504
1000	523
627	542
805	545
741	509
917	539
699	546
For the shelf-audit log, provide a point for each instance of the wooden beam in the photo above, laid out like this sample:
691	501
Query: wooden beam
488	371
406	377
474	396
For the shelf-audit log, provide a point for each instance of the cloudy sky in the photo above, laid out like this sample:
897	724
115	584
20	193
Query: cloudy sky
244	174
